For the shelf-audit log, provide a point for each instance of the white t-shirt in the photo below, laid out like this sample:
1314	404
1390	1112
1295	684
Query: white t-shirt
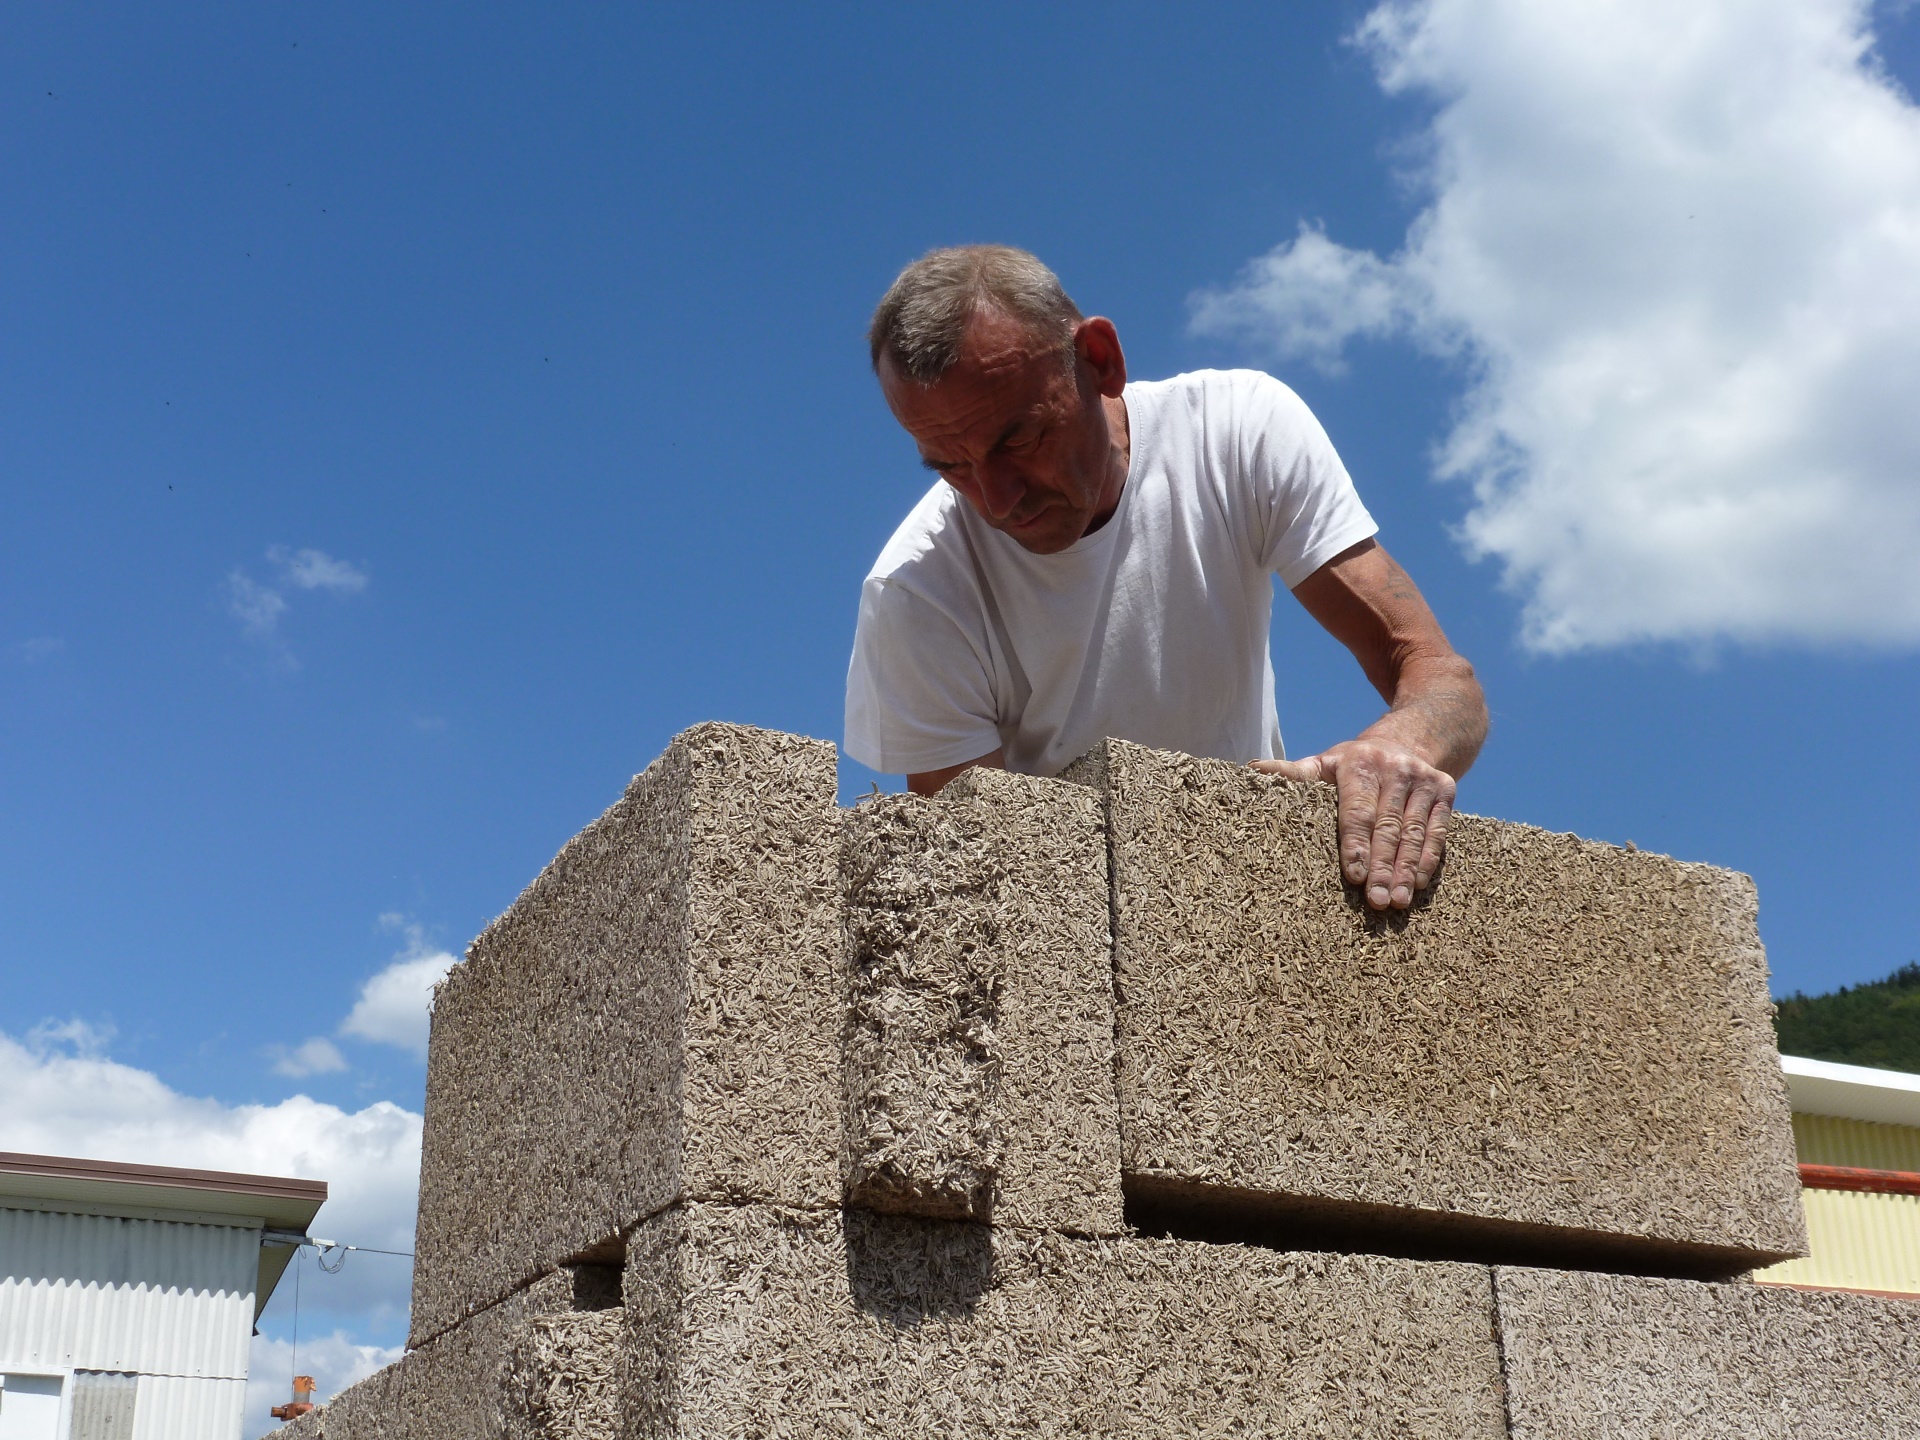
1153	628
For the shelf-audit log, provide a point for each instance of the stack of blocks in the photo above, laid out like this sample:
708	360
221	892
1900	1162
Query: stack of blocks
1101	1106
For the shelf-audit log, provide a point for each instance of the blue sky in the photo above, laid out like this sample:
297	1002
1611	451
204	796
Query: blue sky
413	416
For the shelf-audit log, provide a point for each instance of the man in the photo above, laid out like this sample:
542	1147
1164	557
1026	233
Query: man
1096	561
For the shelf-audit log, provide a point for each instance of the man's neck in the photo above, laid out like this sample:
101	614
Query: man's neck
1119	459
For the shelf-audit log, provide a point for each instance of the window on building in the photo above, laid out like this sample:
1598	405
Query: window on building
29	1407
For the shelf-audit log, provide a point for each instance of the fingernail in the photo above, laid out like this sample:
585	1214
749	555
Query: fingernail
1401	895
1378	897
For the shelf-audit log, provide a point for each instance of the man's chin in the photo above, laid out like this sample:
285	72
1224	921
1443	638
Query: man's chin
1047	534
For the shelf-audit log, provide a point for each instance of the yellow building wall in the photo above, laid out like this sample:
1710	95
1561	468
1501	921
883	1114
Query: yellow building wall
1859	1241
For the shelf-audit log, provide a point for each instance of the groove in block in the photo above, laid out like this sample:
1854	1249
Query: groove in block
979	1042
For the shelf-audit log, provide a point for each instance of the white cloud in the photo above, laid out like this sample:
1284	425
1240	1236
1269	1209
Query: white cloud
318	1056
60	1094
317	570
83	1037
257	607
260	607
1676	250
395	1006
334	1361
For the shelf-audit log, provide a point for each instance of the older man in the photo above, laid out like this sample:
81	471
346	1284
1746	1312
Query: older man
1096	560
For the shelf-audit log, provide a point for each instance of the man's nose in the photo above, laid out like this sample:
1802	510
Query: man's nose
1001	489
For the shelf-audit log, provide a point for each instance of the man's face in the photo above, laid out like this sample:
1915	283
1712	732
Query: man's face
1019	432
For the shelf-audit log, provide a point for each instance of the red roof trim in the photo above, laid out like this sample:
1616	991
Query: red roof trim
1849	1177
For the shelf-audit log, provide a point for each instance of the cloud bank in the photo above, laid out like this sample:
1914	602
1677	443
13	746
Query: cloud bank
1676	251
62	1094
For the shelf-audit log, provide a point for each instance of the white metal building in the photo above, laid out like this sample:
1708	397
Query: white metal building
128	1294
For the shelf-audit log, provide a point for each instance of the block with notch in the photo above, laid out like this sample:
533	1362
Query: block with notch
657	1017
1562	1055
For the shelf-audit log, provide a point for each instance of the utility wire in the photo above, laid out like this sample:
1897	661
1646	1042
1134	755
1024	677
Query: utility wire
363	1249
294	1372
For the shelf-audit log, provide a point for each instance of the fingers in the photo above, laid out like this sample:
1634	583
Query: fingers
1310	769
1359	798
1434	850
1423	835
1384	884
1394	811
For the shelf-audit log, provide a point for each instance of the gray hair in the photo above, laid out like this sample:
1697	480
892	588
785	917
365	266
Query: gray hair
919	322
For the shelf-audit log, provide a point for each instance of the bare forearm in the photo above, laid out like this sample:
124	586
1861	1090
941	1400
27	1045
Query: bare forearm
930	782
1438	712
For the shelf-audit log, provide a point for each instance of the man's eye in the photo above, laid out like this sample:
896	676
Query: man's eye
1023	443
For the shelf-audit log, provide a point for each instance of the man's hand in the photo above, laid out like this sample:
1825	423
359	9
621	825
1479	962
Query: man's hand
1396	780
1394	809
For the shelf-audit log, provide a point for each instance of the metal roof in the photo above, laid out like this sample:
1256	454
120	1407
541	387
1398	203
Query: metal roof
167	1192
220	1195
1852	1092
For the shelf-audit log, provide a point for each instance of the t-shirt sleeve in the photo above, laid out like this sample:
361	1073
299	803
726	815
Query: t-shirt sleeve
919	692
1305	508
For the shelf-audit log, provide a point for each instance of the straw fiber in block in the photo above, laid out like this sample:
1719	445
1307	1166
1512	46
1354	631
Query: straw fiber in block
979	1051
567	1378
656	1017
1563	1054
1609	1357
754	1321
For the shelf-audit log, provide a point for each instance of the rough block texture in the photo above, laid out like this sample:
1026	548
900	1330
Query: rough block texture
567	1377
753	1321
1607	1357
656	1017
1563	1054
979	1050
448	1389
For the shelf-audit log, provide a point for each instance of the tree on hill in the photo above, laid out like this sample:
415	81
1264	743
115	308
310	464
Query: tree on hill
1876	1024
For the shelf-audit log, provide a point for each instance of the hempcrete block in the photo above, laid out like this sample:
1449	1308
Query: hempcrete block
1608	1357
656	1017
567	1377
979	1043
449	1388
1562	1054
756	1321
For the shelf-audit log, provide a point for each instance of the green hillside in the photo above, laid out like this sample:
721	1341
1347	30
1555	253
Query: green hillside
1876	1024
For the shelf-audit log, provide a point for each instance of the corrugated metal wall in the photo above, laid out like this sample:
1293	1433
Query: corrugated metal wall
99	1293
173	1408
169	1301
1825	1140
1859	1241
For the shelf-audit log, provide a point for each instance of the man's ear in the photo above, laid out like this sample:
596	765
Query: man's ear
1097	344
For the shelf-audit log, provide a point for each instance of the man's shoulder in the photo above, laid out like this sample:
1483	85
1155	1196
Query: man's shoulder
1202	389
926	539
